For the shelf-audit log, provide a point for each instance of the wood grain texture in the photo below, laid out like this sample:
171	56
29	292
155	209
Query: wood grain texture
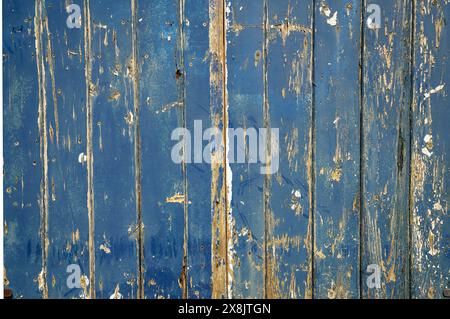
337	149
245	38
162	179
22	162
430	256
385	160
113	147
288	193
65	95
197	104
362	170
220	192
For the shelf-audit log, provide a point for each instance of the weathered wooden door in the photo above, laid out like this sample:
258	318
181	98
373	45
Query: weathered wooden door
349	198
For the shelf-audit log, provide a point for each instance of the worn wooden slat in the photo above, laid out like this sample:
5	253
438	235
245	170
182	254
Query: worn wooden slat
385	160
90	177
430	255
287	58
336	165
245	91
220	190
163	190
197	108
89	99
63	49
113	147
22	163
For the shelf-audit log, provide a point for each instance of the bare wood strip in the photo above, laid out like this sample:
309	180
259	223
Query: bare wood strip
42	121
137	151
180	76
90	92
270	280
51	65
221	284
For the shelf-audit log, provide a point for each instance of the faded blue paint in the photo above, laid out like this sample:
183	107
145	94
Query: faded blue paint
385	154
245	98
306	231
337	169
197	106
161	178
67	177
22	244
430	174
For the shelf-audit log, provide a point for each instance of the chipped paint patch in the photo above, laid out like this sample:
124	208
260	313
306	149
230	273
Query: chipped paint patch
105	248
439	88
116	294
325	10
336	175
333	20
177	198
114	96
426	152
82	158
129	118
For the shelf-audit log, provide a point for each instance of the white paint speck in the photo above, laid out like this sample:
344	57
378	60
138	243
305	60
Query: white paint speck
336	121
129	118
325	10
437	206
426	152
333	20
82	158
434	91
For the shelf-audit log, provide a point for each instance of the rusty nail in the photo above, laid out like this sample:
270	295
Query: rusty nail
7	293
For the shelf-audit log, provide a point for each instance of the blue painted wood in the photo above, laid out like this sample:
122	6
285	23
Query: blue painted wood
336	165
430	254
22	163
88	117
113	143
64	64
162	179
385	160
245	38
197	107
288	192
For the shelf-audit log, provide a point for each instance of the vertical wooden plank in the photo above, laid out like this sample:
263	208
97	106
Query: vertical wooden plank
64	90
43	145
336	166
287	58
163	187
22	163
113	147
90	92
430	178
197	108
386	132
245	38
220	190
